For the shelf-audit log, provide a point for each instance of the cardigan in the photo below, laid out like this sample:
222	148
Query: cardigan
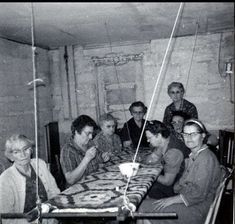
13	190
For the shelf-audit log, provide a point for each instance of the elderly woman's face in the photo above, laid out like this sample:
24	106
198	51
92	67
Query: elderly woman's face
176	93
108	127
137	113
21	156
192	137
85	135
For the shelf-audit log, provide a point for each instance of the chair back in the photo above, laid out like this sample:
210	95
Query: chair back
226	148
214	208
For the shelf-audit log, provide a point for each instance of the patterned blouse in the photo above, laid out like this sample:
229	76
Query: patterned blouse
108	144
72	155
186	107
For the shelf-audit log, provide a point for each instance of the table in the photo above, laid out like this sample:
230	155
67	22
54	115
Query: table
103	190
101	193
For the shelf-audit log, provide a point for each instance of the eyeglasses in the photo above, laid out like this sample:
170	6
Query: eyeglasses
23	150
193	134
176	122
175	92
88	133
137	112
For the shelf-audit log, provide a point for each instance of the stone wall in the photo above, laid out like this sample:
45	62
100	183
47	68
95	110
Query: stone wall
16	97
195	64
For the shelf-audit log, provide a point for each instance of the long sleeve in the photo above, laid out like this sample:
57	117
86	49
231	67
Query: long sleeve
200	179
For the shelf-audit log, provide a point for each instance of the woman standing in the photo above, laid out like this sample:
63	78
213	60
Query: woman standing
18	192
196	189
176	92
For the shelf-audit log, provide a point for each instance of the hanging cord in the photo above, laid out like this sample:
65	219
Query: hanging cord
38	200
220	42
111	50
191	60
151	102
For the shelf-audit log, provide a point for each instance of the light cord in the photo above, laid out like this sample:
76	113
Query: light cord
38	201
155	88
191	60
111	50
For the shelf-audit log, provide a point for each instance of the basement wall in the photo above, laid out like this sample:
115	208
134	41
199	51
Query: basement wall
16	97
196	67
69	94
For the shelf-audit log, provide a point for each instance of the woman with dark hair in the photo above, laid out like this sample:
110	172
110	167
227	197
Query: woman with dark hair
79	156
131	131
177	123
195	190
18	192
176	92
168	152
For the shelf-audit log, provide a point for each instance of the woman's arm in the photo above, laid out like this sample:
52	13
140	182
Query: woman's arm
162	203
76	174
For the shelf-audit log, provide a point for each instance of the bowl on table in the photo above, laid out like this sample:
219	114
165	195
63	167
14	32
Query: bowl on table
129	169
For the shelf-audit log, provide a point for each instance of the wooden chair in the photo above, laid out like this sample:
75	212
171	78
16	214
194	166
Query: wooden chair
226	148
214	208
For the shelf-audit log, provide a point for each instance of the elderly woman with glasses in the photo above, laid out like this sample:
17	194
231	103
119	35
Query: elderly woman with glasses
131	131
79	156
18	190
195	190
106	140
176	92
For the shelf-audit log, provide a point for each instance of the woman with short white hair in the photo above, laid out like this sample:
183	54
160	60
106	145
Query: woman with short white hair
18	190
176	92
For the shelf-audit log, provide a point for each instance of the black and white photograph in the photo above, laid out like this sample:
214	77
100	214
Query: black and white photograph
117	113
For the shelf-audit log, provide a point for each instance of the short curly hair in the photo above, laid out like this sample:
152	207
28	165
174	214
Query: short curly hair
156	127
175	84
80	122
107	117
138	104
12	144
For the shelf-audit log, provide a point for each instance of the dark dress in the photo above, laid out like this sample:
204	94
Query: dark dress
135	133
186	107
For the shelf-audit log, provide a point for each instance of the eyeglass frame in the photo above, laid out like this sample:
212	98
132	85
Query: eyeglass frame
175	92
29	147
88	133
193	134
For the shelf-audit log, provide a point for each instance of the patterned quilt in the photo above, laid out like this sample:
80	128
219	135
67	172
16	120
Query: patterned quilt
103	191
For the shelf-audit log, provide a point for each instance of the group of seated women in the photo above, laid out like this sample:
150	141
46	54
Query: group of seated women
190	171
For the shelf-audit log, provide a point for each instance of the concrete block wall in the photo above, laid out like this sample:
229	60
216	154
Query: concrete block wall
204	85
16	97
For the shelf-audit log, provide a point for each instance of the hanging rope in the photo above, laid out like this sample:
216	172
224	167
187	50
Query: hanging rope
116	73
151	101
38	200
191	60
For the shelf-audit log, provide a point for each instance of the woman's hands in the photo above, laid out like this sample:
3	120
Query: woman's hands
91	153
127	144
165	202
106	156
